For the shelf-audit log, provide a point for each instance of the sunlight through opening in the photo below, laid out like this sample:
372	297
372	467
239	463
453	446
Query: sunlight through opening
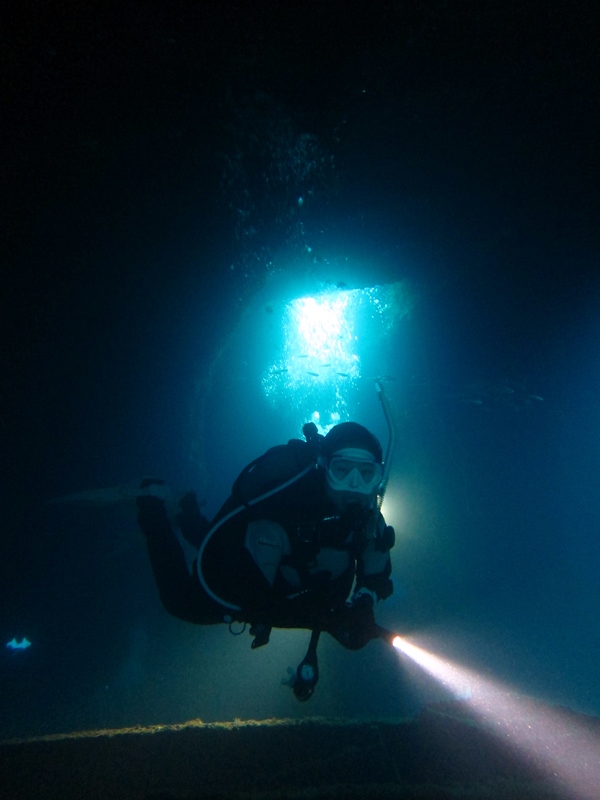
319	361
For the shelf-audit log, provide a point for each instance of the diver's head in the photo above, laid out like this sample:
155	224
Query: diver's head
352	459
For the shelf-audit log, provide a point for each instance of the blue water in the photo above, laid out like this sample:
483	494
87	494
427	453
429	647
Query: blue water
154	234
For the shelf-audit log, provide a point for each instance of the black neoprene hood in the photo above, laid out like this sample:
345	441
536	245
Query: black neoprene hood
351	434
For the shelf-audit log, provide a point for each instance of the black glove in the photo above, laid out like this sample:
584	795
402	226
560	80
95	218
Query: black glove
355	626
260	616
262	633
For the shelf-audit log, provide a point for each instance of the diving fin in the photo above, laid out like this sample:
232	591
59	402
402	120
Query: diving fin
123	494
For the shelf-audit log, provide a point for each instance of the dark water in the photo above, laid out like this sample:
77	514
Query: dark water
152	165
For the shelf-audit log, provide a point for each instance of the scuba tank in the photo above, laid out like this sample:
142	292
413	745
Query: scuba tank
280	467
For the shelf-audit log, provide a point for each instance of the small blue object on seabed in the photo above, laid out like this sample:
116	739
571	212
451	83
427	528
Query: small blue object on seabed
22	645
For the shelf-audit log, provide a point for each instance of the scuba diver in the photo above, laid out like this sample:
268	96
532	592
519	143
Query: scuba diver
301	532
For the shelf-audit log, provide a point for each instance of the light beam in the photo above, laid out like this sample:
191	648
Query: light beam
566	752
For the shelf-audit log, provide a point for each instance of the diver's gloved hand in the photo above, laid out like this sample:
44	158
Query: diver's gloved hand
355	626
260	612
262	633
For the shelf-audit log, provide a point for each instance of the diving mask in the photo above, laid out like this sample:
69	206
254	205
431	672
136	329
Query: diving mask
354	470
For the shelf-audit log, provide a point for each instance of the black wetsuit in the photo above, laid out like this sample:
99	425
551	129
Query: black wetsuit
322	554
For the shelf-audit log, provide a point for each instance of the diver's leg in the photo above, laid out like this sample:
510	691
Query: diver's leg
180	592
192	523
